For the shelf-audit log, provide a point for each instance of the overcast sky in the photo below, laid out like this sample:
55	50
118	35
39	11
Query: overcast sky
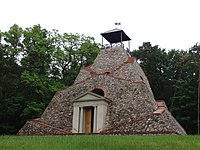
167	23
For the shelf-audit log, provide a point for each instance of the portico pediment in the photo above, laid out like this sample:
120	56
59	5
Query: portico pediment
90	96
89	112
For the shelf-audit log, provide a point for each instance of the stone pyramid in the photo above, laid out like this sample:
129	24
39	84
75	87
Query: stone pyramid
111	96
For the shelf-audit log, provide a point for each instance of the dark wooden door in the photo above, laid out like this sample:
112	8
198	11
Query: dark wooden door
88	119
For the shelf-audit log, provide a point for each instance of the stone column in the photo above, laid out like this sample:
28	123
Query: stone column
75	125
100	116
81	120
95	119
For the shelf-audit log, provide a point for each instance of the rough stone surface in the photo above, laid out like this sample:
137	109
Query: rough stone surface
39	127
132	106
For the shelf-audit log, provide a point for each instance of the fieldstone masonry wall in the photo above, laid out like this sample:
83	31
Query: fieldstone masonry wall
132	104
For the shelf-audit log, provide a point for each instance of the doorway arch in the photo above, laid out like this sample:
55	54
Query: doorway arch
98	91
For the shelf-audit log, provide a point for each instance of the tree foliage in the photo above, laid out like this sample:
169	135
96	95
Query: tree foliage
34	64
173	77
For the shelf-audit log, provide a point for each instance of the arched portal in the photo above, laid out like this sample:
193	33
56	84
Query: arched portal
98	91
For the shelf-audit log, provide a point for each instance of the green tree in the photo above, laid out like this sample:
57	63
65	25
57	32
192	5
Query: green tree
173	77
10	97
184	99
72	51
34	64
195	54
35	78
153	60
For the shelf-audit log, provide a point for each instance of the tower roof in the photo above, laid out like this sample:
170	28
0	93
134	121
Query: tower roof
115	36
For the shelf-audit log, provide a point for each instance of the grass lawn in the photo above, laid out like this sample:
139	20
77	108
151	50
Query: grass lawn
99	142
